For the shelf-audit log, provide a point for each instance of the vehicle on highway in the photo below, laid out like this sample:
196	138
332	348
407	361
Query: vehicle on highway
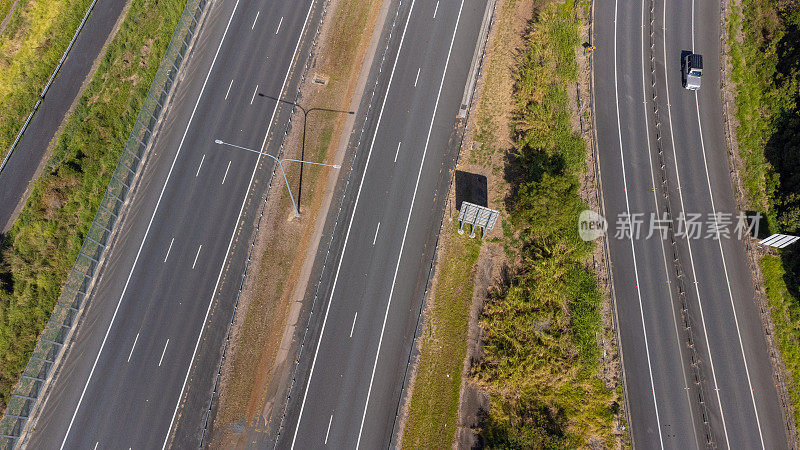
692	71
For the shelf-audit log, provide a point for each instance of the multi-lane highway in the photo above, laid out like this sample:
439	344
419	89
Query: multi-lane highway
634	121
142	362
351	375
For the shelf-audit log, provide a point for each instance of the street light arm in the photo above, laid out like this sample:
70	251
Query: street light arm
335	166
217	141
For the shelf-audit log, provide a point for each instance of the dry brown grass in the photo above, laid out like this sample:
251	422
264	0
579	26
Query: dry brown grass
268	298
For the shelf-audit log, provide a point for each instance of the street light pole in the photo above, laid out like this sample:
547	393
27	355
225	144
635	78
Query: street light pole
303	146
296	205
306	112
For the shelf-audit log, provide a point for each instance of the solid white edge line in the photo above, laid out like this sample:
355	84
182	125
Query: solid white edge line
163	352
200	166
233	233
147	231
408	221
633	249
689	241
349	226
225	177
722	253
376	233
663	251
133	347
727	279
168	249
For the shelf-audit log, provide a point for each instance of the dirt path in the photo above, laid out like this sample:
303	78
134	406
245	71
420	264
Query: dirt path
4	23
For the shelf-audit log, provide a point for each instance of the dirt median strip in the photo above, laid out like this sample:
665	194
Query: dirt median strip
272	296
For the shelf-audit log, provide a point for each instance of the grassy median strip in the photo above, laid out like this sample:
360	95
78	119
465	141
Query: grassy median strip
763	41
37	33
541	361
44	241
433	411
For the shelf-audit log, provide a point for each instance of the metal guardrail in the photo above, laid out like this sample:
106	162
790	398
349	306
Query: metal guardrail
35	378
47	86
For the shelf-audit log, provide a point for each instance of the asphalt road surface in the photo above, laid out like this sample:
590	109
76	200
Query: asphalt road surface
140	370
736	381
22	164
352	373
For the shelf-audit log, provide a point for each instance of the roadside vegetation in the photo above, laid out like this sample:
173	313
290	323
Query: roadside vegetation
764	42
433	412
46	237
35	37
541	364
541	357
5	8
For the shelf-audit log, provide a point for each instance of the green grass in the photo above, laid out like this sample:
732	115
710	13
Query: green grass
5	7
541	359
44	241
540	365
36	36
433	413
767	81
785	312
